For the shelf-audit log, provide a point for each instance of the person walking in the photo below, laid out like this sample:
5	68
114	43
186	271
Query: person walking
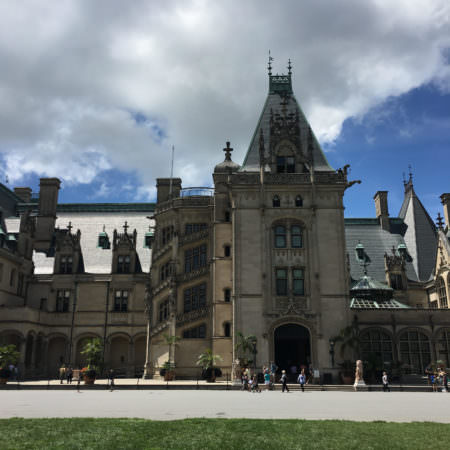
385	380
302	380
284	381
69	375
267	379
111	379
62	374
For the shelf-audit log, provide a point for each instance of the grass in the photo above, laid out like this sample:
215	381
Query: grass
221	434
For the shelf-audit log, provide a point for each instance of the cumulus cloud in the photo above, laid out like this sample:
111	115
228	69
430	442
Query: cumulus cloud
88	86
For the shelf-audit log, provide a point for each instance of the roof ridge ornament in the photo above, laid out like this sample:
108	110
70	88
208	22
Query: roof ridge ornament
228	151
269	65
289	67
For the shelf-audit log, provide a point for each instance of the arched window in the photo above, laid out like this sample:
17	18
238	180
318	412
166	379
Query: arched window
415	351
227	329
298	201
280	236
376	342
443	347
276	201
442	293
296	236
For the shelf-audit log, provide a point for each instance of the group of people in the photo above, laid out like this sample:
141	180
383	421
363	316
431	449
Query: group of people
250	382
68	373
437	379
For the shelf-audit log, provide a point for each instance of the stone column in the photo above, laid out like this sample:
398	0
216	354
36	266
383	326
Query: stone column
148	369
22	350
130	364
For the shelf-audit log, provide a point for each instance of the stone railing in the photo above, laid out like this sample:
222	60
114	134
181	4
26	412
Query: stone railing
190	316
188	238
194	274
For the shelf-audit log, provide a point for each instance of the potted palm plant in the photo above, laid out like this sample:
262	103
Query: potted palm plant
168	369
244	348
92	350
8	355
207	360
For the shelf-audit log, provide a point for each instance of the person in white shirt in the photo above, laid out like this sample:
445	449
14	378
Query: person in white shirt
385	383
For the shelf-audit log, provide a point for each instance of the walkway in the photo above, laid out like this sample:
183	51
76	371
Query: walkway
170	405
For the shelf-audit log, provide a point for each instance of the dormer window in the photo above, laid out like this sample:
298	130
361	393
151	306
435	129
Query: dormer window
123	264
276	201
298	201
103	240
65	264
285	164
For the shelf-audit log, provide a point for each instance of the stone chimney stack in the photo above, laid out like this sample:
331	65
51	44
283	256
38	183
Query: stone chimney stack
381	209
445	200
163	189
45	221
24	193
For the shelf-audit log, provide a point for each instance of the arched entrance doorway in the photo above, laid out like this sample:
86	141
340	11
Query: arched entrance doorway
292	347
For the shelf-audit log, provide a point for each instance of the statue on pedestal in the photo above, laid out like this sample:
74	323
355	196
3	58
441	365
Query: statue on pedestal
359	381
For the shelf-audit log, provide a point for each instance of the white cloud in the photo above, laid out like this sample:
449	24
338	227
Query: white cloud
73	72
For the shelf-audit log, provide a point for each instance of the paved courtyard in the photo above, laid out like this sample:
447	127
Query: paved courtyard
170	405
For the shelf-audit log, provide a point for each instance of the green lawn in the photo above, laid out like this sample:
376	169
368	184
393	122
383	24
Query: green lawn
219	434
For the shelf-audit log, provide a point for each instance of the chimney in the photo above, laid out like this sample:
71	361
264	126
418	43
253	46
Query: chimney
445	200
45	221
24	193
381	209
163	187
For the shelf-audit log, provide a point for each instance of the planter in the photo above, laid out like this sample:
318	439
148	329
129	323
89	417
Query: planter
89	380
347	379
169	375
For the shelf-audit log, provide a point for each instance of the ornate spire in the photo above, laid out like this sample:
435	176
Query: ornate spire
289	67
269	66
125	227
440	221
228	151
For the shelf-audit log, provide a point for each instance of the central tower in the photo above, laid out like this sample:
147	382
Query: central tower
288	244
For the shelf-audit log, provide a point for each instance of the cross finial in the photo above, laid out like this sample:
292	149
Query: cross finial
410	173
440	221
69	227
289	67
228	151
269	66
125	227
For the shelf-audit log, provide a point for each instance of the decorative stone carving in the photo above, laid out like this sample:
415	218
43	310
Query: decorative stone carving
191	316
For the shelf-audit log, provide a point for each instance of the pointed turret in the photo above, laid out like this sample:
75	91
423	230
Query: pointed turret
286	131
420	236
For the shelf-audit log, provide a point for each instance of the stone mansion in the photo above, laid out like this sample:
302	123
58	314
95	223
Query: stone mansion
266	251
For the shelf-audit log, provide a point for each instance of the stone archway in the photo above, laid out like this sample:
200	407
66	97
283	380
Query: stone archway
292	347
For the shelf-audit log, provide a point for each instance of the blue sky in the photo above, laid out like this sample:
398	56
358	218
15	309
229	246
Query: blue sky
96	93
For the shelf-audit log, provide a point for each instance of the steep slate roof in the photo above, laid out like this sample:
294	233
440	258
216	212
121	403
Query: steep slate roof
376	242
280	87
420	236
90	223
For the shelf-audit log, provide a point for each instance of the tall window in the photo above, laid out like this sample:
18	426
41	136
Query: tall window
276	201
166	235
296	236
227	295
227	251
121	301
65	264
62	300
281	281
285	164
280	237
443	347
227	329
298	282
442	293
195	297
123	264
163	310
190	228
376	342
165	271
195	333
195	258
298	201
415	351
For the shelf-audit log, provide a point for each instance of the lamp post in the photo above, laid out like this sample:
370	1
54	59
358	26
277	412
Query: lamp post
332	352
254	355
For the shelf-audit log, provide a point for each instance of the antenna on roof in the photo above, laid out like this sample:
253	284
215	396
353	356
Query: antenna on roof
171	171
269	66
